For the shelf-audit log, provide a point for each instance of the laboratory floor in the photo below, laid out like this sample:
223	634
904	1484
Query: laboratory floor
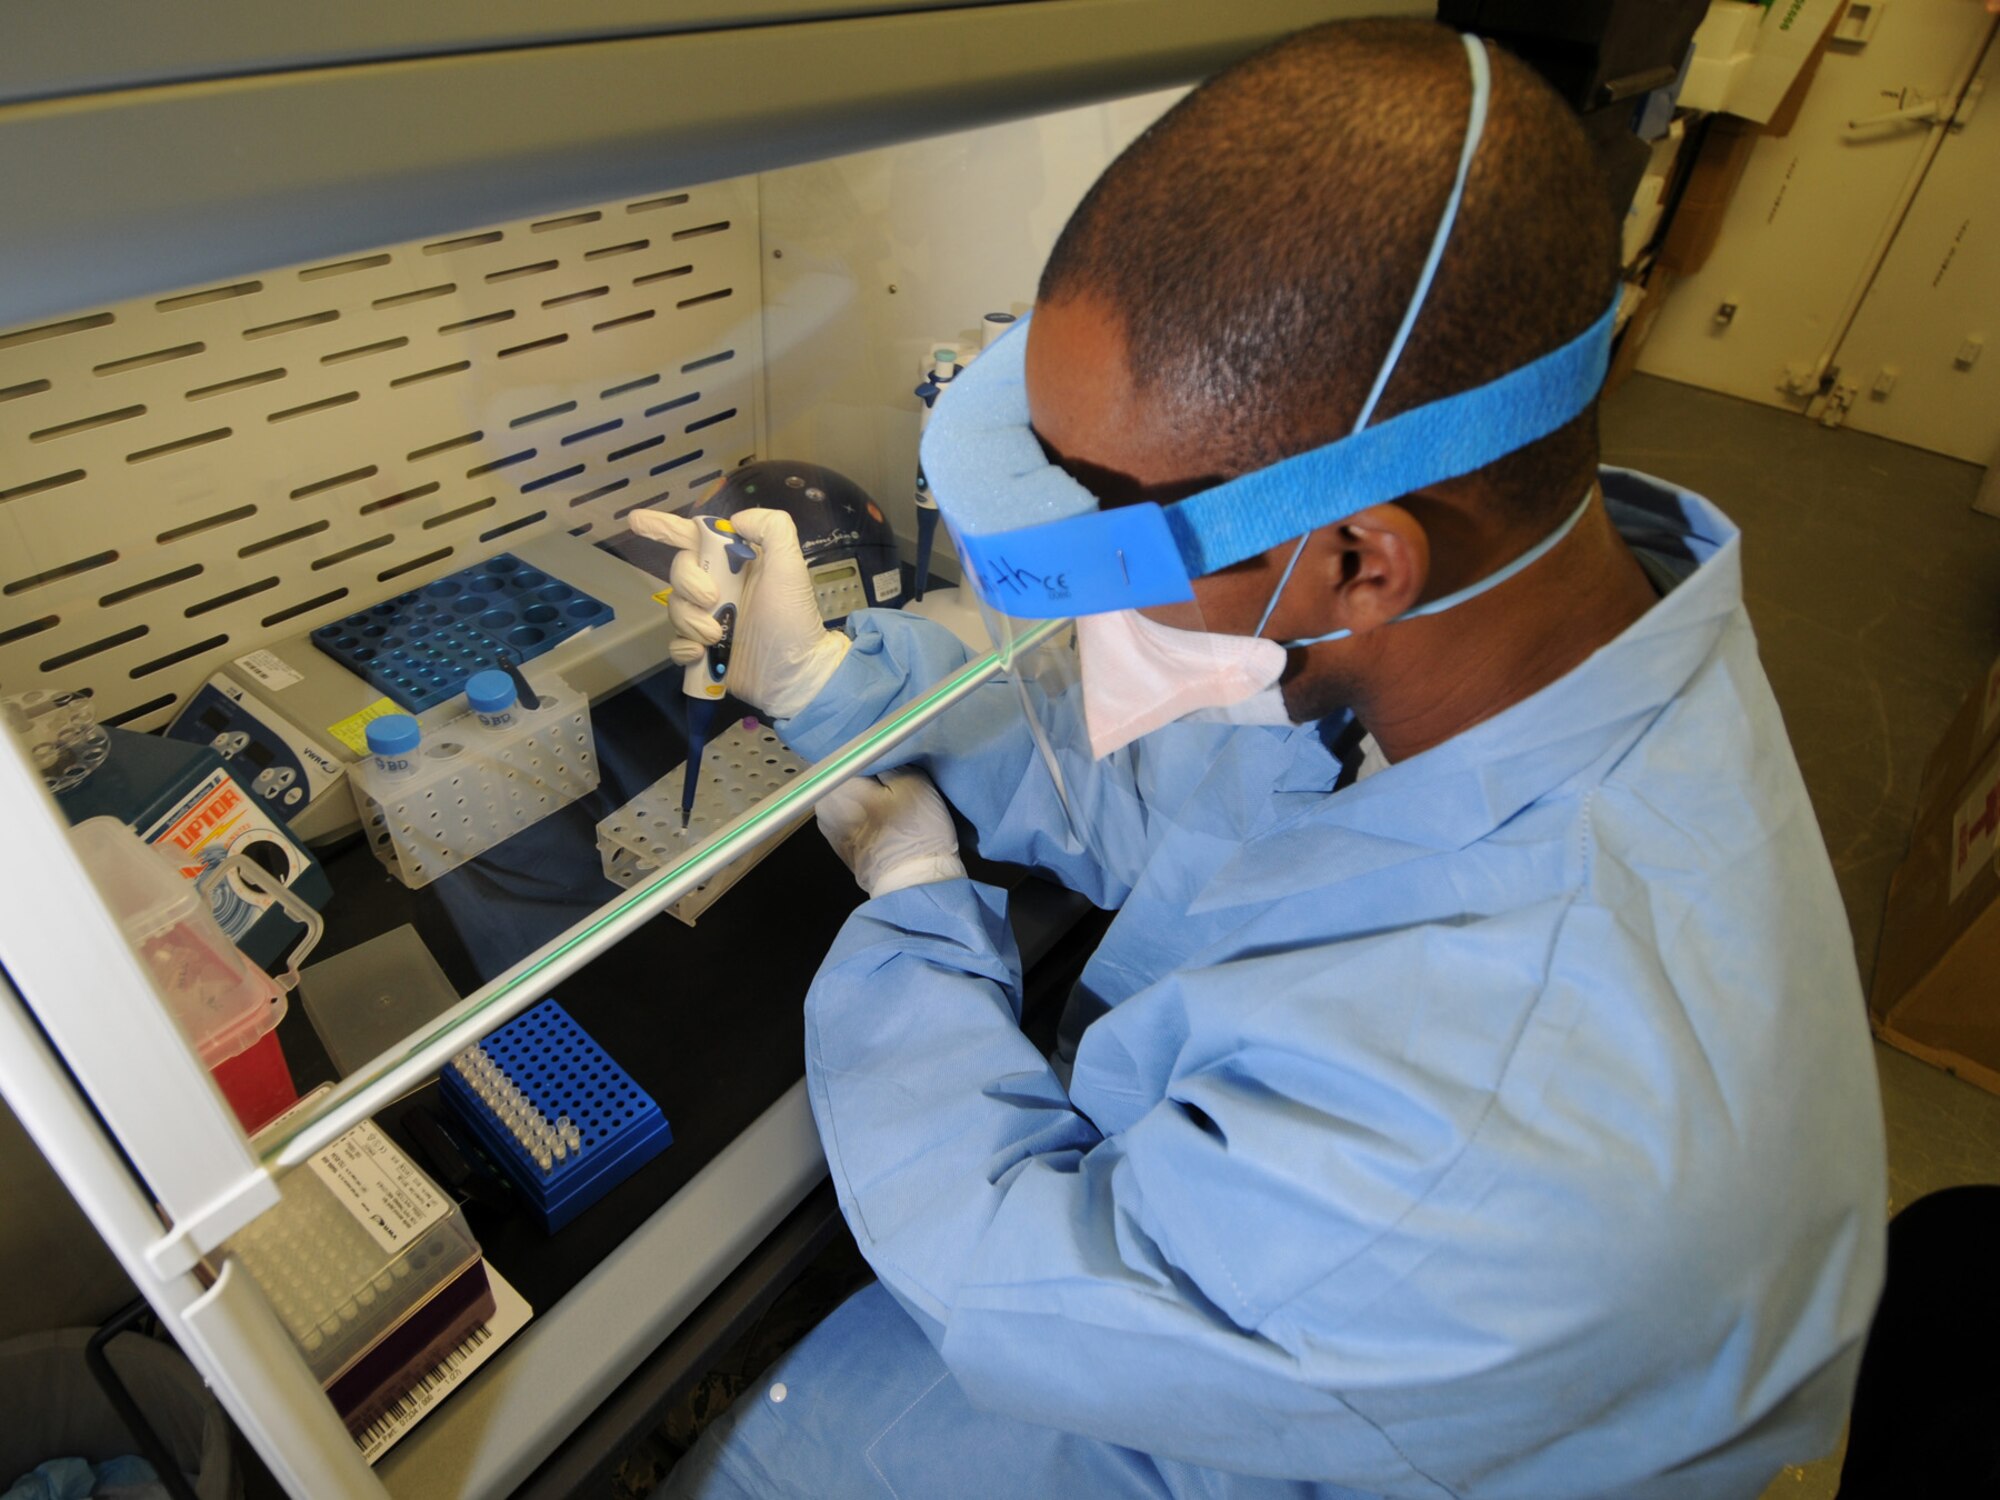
1875	591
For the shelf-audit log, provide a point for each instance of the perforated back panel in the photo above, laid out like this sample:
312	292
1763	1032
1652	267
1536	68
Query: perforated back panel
187	476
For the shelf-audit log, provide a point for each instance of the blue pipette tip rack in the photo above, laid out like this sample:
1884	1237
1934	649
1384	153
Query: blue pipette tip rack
563	1074
419	647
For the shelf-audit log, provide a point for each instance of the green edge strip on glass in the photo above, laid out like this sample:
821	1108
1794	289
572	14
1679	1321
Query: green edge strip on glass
394	1073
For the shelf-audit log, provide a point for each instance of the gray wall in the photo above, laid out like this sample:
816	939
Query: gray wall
54	1270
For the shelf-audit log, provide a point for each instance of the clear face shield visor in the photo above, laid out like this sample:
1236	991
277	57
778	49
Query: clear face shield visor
1036	547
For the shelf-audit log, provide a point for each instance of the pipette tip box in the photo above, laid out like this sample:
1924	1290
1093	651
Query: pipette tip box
371	1269
564	1121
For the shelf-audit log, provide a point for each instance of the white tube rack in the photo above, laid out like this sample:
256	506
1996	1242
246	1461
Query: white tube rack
474	786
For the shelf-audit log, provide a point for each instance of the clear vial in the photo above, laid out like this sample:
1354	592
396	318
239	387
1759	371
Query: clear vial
392	742
493	699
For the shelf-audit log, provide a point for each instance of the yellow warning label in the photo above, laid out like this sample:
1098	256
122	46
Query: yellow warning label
352	731
665	596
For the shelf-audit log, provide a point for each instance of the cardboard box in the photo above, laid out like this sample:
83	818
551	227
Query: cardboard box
1937	982
1711	182
1648	296
1781	120
1973	732
1787	39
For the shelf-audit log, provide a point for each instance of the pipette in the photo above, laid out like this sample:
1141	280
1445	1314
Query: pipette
944	366
725	557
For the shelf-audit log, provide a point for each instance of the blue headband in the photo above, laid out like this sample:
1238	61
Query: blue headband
1039	547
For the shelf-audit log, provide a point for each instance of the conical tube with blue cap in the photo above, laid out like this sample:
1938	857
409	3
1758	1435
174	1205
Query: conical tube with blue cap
726	558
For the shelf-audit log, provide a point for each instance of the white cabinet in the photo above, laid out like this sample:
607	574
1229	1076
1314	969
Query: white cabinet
1923	356
1813	216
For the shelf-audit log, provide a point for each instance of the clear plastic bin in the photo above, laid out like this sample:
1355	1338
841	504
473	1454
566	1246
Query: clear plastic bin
226	1006
370	1267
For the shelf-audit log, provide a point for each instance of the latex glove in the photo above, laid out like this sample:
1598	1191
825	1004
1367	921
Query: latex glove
783	653
892	832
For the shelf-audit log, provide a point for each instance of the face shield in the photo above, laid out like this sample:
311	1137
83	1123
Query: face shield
1036	545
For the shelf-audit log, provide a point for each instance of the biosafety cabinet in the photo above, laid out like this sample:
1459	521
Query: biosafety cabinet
337	350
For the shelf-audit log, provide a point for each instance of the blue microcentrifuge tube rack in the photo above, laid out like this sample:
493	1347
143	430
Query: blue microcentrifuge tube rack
419	647
564	1121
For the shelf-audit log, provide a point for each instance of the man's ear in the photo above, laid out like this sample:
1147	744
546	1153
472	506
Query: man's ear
1384	564
1356	575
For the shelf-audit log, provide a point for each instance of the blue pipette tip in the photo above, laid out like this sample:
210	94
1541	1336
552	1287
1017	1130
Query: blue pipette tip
700	721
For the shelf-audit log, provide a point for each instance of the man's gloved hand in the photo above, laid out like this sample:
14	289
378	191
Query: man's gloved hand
783	655
892	832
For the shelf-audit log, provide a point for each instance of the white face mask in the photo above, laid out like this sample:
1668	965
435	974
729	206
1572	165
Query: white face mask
1139	675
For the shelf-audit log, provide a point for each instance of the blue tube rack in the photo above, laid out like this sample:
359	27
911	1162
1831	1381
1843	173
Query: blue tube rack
562	1072
419	647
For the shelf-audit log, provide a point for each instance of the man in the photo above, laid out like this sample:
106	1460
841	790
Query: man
1471	1096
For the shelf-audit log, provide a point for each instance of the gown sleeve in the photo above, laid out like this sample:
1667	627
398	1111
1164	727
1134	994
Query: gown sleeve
982	756
1020	1238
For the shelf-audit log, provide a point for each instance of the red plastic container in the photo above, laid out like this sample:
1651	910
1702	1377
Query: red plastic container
257	1083
227	1007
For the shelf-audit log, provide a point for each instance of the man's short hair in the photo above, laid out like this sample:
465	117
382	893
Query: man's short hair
1261	241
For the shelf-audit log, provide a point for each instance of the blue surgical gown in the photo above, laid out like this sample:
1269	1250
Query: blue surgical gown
1503	1125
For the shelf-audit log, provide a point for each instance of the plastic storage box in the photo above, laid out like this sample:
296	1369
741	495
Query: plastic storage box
364	1000
227	1007
370	1267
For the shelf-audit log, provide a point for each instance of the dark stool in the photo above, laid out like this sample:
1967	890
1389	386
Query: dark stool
1927	1408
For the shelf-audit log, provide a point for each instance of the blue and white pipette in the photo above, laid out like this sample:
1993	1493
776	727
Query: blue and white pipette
944	366
726	558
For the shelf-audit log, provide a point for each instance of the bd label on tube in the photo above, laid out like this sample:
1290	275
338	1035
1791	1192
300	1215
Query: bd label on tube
393	741
492	698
